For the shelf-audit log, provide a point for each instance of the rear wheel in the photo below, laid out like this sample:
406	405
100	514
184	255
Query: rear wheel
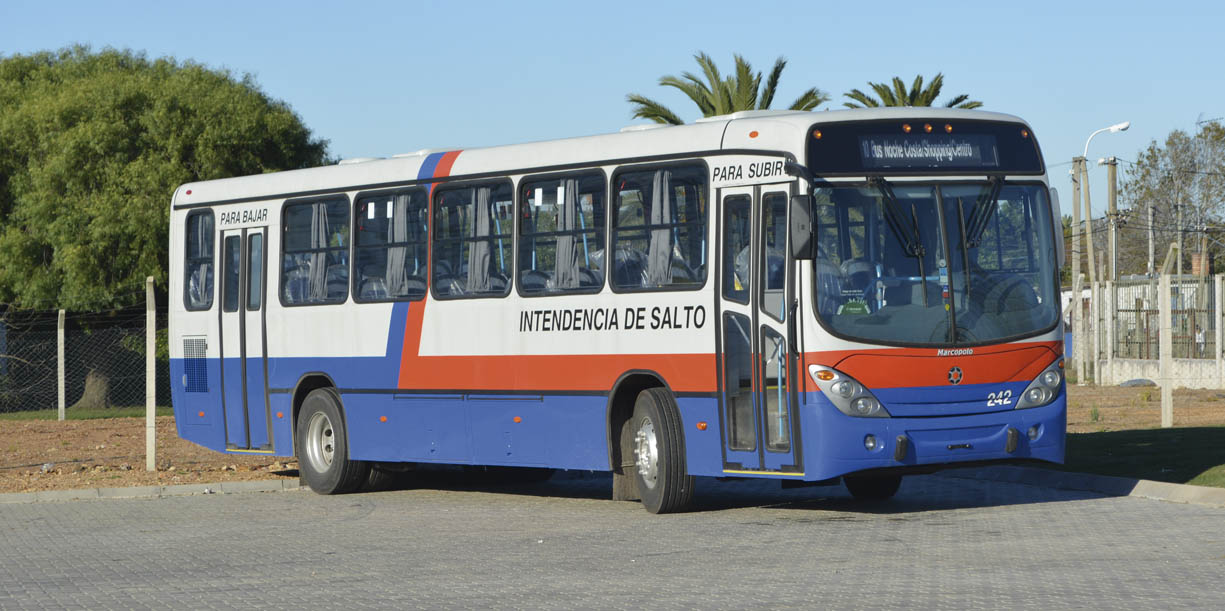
659	453
872	487
323	446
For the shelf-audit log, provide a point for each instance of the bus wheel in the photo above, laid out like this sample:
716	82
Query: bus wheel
323	447
872	487
659	453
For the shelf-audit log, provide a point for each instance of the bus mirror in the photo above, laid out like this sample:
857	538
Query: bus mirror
800	227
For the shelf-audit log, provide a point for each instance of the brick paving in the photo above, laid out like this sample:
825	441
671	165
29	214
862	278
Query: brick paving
943	542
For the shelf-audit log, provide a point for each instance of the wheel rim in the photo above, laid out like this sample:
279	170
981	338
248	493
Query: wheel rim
320	442
646	453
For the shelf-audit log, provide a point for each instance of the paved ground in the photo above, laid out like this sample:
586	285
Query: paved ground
944	542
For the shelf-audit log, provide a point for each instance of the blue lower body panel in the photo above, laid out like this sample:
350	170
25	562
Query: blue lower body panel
834	442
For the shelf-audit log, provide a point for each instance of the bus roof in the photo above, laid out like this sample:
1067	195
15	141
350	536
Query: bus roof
745	130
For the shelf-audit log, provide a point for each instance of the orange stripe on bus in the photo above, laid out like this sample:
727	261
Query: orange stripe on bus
912	367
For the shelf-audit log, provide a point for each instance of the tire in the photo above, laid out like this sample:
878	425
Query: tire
872	487
659	453
323	446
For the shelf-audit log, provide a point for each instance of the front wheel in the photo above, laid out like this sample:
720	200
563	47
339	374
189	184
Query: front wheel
323	446
872	487
659	453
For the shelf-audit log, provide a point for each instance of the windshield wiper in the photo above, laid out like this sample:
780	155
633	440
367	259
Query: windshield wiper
906	230
983	210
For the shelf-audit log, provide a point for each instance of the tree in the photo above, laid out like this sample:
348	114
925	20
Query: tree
717	95
1186	171
92	145
898	95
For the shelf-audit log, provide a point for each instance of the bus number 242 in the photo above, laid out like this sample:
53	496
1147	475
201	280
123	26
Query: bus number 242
1003	397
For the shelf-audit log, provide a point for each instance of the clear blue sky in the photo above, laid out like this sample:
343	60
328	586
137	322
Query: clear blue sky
378	78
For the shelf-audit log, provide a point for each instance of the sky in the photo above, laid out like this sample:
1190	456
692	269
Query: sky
380	78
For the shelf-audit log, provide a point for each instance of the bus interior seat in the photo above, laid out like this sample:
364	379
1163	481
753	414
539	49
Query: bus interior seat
337	282
533	280
629	268
857	273
373	288
297	285
200	285
587	278
448	286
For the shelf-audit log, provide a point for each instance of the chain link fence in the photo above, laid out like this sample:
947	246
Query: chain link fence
104	359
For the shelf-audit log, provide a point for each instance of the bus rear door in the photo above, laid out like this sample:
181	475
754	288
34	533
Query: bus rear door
244	372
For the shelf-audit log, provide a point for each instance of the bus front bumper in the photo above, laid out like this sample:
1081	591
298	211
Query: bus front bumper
844	444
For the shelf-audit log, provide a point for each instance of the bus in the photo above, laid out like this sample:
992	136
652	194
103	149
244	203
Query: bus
846	296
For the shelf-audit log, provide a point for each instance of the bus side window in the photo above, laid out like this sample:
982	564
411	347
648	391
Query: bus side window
473	240
198	263
315	257
659	228
390	249
561	235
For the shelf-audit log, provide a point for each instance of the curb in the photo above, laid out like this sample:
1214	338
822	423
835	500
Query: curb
150	492
1101	484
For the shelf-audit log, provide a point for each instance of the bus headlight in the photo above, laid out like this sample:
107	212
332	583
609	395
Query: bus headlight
846	393
1044	388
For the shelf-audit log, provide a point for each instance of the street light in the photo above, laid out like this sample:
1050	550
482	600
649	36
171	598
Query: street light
1114	129
1079	163
1084	170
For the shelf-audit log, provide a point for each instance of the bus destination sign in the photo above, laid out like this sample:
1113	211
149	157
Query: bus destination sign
928	151
918	147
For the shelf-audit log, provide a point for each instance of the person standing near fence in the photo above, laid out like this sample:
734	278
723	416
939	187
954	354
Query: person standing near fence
1199	342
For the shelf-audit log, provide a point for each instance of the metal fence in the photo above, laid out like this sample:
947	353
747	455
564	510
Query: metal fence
104	359
1135	322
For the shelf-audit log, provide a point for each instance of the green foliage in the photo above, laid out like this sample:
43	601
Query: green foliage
92	146
715	94
899	95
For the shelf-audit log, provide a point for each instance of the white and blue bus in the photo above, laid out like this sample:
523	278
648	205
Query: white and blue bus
857	294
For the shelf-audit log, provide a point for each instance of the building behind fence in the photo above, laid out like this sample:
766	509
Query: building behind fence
1121	328
104	359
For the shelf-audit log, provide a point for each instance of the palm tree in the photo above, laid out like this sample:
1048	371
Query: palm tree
717	95
898	95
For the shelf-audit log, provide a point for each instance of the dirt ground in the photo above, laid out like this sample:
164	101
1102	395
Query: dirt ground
52	455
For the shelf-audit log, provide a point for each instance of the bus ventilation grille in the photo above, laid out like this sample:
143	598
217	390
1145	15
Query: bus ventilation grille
195	368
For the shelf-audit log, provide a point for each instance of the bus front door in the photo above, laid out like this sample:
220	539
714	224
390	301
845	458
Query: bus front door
758	416
244	372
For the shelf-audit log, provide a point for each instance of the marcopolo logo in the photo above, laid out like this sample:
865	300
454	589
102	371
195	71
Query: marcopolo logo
954	351
955	375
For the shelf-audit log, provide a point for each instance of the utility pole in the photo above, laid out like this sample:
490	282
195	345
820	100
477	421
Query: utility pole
1112	165
1152	217
1075	227
1178	275
1078	303
1084	185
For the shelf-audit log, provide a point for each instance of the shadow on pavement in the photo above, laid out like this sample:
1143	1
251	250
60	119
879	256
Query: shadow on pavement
918	493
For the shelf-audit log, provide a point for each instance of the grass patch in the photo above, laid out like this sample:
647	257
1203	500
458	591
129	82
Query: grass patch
1192	455
85	414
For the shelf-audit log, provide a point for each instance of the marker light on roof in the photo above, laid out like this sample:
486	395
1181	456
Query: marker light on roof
816	133
1025	133
927	127
948	128
753	134
906	127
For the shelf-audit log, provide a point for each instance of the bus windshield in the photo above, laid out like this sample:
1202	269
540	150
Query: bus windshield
935	264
